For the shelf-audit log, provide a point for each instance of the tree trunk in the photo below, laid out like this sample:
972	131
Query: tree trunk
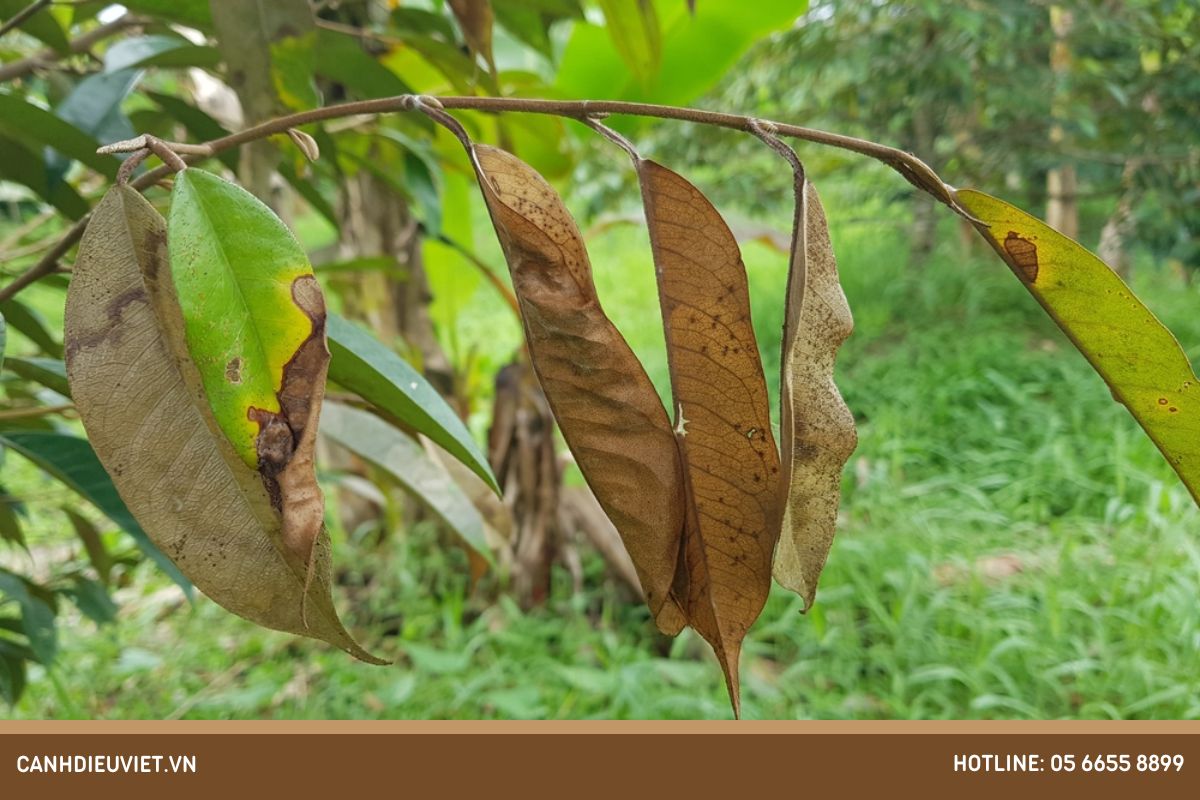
1114	236
246	33
1062	208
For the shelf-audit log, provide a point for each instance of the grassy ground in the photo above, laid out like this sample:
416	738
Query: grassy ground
1012	546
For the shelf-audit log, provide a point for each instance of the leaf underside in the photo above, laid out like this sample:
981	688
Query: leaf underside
722	425
608	411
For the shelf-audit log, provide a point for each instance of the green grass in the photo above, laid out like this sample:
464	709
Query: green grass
1012	547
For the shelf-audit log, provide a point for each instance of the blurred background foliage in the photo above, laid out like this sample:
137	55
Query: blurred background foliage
1011	545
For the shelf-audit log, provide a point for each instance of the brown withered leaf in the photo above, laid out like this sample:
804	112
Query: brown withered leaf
143	404
816	428
722	415
607	408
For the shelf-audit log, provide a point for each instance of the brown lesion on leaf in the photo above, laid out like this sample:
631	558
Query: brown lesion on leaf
1022	254
233	370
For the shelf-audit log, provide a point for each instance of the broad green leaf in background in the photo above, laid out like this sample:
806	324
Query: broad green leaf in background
49	372
341	58
1139	359
37	615
42	25
696	50
402	457
26	166
633	27
72	461
3	338
11	510
229	252
198	123
194	13
94	107
293	61
363	365
158	50
93	544
36	127
143	404
32	325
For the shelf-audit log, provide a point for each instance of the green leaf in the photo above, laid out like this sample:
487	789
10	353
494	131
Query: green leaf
31	323
228	251
10	521
49	372
341	58
41	25
37	127
3	338
633	26
92	543
194	13
199	124
696	51
401	457
158	51
71	460
1135	354
37	615
94	107
92	599
12	677
293	60
26	167
362	364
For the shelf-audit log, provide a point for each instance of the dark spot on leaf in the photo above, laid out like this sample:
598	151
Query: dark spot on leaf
1022	254
233	370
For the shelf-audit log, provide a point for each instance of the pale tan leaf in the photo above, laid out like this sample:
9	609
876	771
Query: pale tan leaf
816	428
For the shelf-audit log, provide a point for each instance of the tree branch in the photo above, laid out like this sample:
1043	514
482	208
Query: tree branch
22	15
21	68
913	169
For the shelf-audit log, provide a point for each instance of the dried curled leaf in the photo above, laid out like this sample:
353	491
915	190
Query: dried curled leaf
723	426
143	403
1135	354
816	427
609	412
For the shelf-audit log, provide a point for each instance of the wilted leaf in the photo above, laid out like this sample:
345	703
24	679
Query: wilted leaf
816	428
144	405
1137	357
72	461
475	19
362	364
722	414
609	412
402	457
